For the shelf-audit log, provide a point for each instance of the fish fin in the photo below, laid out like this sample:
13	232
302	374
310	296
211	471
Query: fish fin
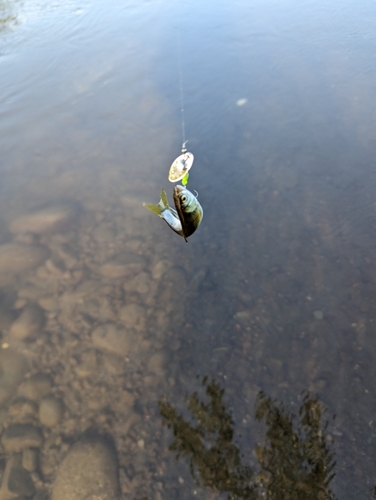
164	199
161	206
153	208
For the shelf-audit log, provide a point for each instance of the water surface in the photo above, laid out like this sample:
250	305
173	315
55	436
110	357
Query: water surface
273	298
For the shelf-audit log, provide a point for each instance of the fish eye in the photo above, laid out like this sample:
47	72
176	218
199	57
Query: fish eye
183	198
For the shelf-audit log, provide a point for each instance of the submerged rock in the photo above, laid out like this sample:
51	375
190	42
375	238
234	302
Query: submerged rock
13	367
17	482
133	316
87	364
160	268
15	258
44	220
156	363
112	338
123	265
23	408
50	411
30	459
28	323
6	317
36	387
88	471
17	437
318	314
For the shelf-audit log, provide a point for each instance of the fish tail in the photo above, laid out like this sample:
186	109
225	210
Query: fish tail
161	206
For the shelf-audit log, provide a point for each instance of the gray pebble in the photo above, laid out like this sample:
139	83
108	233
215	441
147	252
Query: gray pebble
30	459
13	367
20	436
123	265
16	258
51	410
87	364
318	314
43	221
133	316
177	277
29	322
88	471
156	363
17	481
6	318
112	338
115	365
103	234
36	387
23	408
160	268
142	283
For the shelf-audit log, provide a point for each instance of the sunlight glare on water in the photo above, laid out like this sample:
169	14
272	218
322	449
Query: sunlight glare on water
248	353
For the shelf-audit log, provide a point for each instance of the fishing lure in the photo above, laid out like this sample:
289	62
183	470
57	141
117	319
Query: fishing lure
180	168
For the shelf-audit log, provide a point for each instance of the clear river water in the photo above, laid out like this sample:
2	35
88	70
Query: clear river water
238	365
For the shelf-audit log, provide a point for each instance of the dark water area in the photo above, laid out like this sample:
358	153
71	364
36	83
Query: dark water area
242	364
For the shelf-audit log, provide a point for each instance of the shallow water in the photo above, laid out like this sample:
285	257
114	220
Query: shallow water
273	298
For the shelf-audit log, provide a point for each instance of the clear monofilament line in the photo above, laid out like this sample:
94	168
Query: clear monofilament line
183	148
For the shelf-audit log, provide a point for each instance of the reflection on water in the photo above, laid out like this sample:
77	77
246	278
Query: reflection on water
294	461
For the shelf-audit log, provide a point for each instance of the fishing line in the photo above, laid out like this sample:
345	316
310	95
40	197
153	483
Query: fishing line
180	167
183	148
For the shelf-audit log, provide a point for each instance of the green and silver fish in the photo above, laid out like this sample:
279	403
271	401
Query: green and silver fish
187	216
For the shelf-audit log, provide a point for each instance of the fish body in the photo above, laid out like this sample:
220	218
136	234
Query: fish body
187	216
189	210
168	214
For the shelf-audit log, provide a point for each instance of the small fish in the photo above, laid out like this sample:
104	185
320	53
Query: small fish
189	210
187	216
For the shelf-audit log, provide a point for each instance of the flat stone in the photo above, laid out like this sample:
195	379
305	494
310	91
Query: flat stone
123	265
42	221
87	364
133	316
112	338
13	367
20	436
48	303
114	364
160	268
142	283
35	387
17	482
15	258
51	410
177	277
156	363
88	471
29	322
30	459
6	317
23	408
318	314
103	234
